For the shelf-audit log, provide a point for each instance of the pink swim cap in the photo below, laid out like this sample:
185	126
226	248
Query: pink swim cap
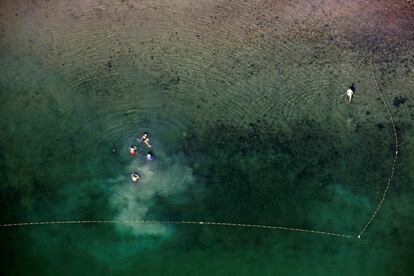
132	151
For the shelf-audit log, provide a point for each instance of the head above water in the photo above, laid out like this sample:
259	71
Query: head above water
133	150
150	156
134	177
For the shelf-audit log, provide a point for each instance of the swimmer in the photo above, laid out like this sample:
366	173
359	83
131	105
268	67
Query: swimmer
145	139
133	150
350	92
149	156
134	177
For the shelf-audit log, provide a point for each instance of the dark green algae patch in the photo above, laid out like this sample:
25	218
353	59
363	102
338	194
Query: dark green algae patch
256	175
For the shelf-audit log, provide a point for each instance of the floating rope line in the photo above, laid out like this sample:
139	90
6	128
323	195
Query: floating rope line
173	222
384	194
256	226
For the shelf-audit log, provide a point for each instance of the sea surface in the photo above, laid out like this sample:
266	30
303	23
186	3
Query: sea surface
244	103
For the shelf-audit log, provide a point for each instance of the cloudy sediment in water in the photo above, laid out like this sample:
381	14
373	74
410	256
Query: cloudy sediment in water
244	103
133	202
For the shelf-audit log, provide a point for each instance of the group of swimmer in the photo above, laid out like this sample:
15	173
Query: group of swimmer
133	150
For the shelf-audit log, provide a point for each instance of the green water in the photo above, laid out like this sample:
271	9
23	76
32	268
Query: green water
244	105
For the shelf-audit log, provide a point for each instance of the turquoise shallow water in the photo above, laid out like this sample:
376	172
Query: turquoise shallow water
248	126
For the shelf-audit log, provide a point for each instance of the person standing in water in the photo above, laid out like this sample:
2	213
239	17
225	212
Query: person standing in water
145	139
350	92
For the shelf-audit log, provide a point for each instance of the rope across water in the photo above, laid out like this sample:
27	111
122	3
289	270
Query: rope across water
257	226
384	194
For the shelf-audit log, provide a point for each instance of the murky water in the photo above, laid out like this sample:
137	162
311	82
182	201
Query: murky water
244	103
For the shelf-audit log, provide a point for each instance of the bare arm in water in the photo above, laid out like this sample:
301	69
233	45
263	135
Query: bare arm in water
146	141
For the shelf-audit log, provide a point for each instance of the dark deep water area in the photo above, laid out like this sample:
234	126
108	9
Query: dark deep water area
244	104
